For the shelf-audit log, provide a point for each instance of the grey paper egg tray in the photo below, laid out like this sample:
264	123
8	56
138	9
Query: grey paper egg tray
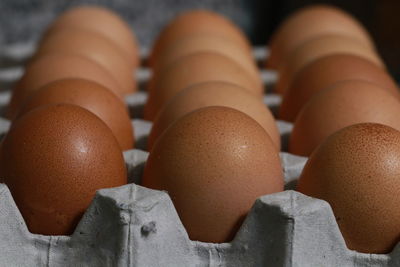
135	226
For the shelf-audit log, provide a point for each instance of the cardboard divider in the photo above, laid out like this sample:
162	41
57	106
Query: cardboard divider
135	226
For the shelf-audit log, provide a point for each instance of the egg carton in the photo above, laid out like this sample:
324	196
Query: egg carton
135	226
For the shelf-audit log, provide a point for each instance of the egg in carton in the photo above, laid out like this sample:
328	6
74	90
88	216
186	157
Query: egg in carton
135	226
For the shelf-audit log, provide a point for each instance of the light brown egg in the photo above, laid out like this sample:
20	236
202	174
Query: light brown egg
356	170
192	43
346	103
195	68
53	160
309	22
214	162
323	72
317	48
93	46
214	94
54	67
103	21
198	21
91	96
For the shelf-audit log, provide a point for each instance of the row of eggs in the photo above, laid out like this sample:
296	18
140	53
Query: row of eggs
343	83
214	161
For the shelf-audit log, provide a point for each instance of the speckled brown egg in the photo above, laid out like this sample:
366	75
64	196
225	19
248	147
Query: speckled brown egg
214	162
195	68
54	67
309	22
198	21
214	94
323	72
93	46
103	21
356	170
346	103
53	160
195	42
318	47
91	96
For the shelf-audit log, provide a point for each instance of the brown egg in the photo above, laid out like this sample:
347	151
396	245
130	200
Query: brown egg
346	103
357	171
323	72
214	94
53	160
54	67
192	43
309	22
230	160
317	48
195	68
198	21
91	96
103	21
93	46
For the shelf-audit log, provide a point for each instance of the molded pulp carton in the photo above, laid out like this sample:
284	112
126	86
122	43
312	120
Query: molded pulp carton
135	226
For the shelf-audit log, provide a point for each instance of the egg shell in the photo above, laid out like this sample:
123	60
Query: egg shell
93	46
323	72
91	96
197	42
344	104
195	68
309	22
214	163
357	171
198	21
103	21
214	94
53	160
318	47
54	67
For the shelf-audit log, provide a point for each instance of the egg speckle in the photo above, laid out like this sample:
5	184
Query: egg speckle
356	170
53	160
214	162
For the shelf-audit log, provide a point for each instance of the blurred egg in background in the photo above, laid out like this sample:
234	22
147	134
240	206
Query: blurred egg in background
369	21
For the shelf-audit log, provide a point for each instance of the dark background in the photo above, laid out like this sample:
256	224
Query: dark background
25	20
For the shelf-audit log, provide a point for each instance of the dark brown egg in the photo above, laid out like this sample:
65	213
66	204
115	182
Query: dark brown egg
344	104
309	22
356	170
198	21
313	49
326	71
214	162
91	96
53	67
103	21
214	94
195	68
196	42
95	47
53	160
